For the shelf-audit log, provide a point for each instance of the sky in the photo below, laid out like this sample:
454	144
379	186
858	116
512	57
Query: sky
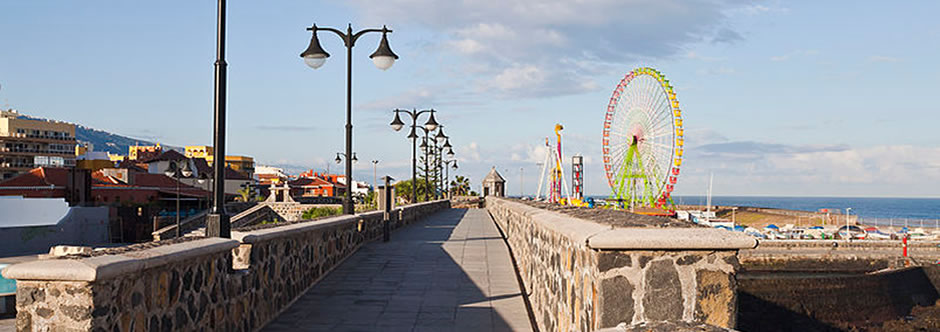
801	98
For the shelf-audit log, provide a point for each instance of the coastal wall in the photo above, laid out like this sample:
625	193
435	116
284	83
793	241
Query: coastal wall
816	300
80	226
797	285
582	275
214	284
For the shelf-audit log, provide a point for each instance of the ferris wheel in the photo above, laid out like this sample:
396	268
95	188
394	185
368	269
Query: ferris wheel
643	140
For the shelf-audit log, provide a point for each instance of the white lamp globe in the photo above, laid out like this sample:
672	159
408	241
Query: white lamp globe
315	60
383	62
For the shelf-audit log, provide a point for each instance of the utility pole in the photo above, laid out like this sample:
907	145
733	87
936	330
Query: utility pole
521	186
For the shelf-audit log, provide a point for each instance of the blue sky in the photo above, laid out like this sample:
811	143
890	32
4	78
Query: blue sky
779	98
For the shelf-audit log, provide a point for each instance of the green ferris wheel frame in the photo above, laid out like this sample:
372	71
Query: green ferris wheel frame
643	140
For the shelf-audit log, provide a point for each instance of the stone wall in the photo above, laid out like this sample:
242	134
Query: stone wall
581	275
208	284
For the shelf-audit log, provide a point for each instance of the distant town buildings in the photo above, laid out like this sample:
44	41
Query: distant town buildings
144	152
243	164
26	144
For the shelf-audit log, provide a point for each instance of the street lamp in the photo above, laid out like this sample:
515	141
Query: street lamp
174	171
203	177
375	179
397	124
383	58
218	222
339	159
426	149
340	156
447	174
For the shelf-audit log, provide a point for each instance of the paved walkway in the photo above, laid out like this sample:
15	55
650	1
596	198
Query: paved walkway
450	272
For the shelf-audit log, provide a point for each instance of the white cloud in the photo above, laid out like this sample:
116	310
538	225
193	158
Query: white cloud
526	48
766	168
471	152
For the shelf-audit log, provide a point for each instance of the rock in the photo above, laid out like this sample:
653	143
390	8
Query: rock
616	301
663	300
716	298
77	313
688	259
45	312
608	260
57	251
28	295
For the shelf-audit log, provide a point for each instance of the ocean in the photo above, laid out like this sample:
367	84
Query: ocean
897	208
881	208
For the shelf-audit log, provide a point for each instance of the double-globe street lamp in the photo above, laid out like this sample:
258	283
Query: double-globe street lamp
447	167
383	58
441	141
177	172
349	183
425	149
430	125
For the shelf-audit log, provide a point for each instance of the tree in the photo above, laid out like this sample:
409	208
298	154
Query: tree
460	186
403	189
245	194
428	178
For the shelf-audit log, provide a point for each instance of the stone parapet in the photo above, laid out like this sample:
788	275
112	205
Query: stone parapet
208	284
580	275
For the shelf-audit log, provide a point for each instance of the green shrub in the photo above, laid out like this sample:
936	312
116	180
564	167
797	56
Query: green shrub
318	212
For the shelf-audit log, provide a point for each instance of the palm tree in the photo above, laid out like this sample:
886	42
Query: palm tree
460	186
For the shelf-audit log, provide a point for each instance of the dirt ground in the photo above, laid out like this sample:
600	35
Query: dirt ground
761	219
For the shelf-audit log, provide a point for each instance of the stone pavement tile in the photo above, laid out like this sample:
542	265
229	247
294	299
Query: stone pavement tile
448	272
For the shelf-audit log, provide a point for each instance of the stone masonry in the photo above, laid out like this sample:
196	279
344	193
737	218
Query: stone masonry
582	276
209	284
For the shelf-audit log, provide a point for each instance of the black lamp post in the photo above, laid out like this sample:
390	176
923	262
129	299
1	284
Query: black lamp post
429	125
439	140
339	159
447	167
218	221
203	177
174	171
315	56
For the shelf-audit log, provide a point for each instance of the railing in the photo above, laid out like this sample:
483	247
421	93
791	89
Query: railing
900	222
186	225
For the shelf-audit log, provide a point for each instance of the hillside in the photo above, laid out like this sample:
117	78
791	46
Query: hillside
102	140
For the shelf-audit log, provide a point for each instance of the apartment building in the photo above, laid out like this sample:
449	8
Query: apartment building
26	144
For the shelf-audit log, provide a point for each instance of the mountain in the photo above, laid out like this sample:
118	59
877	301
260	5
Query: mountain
102	140
107	142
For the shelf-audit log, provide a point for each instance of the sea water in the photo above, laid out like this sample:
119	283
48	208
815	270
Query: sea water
897	208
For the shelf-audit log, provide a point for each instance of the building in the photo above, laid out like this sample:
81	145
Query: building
94	161
199	151
87	158
26	144
243	164
202	172
133	196
101	188
266	175
494	184
144	152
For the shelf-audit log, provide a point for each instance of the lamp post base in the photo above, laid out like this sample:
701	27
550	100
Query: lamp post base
218	225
